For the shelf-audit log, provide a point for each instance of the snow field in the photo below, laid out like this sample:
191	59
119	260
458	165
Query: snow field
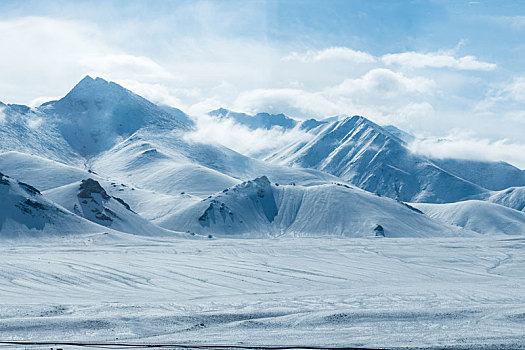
347	292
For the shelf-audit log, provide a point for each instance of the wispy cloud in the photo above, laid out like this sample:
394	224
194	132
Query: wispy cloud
444	59
507	97
436	60
331	53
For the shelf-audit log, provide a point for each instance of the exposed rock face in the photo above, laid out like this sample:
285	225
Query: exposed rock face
92	199
90	186
94	203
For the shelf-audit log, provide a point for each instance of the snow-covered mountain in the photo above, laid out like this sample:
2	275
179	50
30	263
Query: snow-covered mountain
513	197
268	121
259	208
96	114
24	212
377	160
41	172
167	162
373	159
49	175
114	161
490	175
257	121
479	216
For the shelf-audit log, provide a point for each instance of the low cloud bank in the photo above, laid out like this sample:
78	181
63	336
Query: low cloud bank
242	139
461	146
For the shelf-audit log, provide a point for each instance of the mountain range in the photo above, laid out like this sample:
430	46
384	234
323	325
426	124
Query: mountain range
103	159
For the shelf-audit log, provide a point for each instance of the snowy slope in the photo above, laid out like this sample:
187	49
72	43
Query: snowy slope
41	172
370	157
478	216
513	197
168	163
91	201
259	208
24	212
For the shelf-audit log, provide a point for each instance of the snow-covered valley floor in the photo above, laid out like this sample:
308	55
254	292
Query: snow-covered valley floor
462	292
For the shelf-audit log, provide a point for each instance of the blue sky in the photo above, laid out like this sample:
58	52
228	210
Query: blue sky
439	69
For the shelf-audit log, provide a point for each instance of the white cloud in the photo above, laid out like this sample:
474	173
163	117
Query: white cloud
517	22
384	82
442	59
465	146
436	60
206	105
244	140
331	53
155	92
48	56
42	99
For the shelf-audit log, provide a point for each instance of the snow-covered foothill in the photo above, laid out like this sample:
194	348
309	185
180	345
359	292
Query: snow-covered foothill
259	208
24	212
479	216
513	197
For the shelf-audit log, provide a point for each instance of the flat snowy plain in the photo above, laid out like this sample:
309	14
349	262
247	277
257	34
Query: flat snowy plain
375	292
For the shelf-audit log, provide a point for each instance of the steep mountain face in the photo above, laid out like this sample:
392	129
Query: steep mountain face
490	175
257	121
479	216
259	208
375	160
400	134
96	114
24	212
